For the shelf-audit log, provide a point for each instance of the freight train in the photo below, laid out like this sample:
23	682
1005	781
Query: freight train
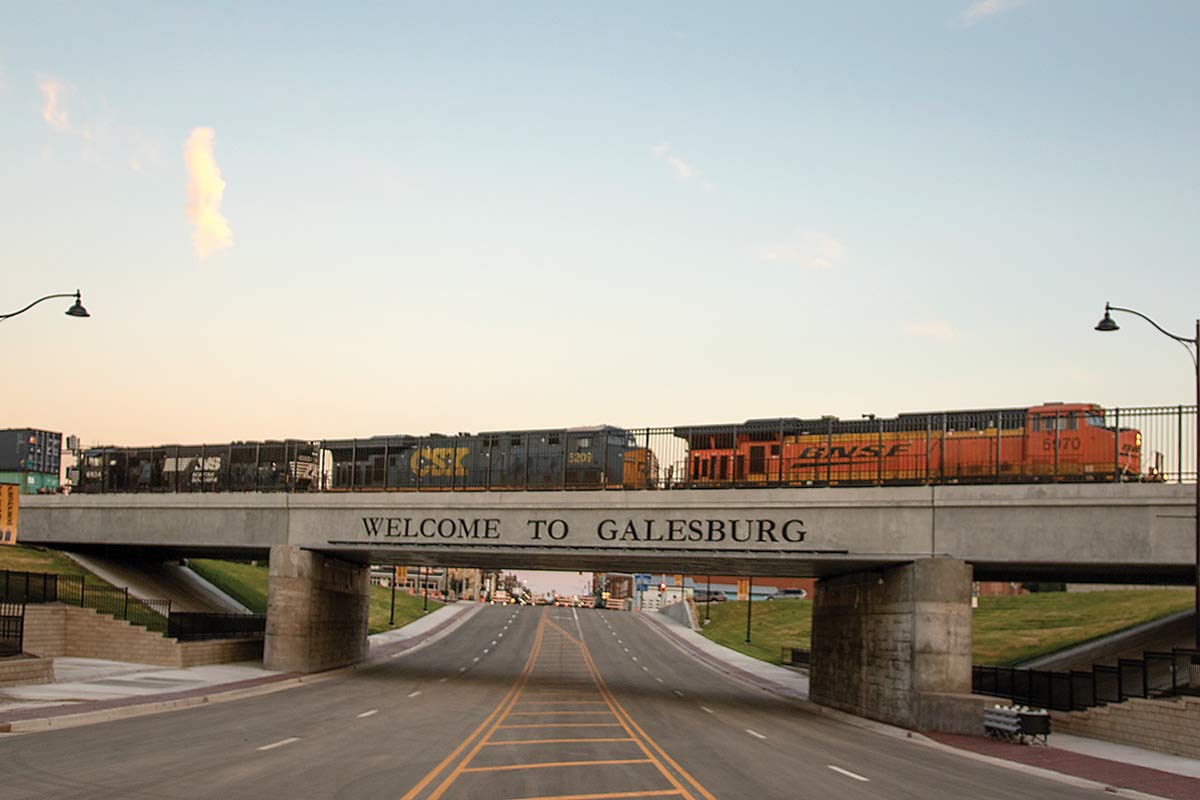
1053	442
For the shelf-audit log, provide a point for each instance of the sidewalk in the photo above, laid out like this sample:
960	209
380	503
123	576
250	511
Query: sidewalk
1106	764
88	688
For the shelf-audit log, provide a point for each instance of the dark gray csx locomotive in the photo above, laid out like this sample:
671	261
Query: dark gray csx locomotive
593	457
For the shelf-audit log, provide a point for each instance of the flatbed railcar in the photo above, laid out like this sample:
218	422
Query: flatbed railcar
1052	441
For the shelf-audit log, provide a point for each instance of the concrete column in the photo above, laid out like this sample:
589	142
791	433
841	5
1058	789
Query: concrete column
895	645
317	609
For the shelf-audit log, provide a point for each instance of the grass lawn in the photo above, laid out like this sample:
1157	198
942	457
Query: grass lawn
247	584
27	558
1006	630
241	580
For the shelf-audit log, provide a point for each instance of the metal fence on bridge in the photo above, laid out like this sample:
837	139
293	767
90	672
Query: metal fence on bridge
1000	446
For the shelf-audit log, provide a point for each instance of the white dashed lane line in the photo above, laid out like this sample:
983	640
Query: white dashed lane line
372	712
706	709
848	773
755	734
417	692
677	692
280	743
476	658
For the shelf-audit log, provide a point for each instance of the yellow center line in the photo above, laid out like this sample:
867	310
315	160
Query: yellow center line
605	796
513	693
544	713
499	743
564	725
550	764
623	714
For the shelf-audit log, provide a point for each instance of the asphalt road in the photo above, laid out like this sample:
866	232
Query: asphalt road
516	703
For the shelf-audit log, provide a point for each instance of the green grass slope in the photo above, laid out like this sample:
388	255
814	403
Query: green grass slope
1006	630
247	583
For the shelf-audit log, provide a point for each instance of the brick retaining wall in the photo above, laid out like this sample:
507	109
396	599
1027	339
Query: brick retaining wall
1168	726
54	629
19	671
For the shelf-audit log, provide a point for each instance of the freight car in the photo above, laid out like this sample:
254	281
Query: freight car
267	466
1053	441
592	457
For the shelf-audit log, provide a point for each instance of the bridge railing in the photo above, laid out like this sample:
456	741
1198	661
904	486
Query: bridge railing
1151	443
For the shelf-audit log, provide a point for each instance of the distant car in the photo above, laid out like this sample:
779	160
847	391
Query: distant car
789	594
703	596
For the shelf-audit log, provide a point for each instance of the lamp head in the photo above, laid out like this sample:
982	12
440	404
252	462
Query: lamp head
1107	323
77	310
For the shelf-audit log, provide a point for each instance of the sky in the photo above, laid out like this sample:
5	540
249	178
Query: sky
310	220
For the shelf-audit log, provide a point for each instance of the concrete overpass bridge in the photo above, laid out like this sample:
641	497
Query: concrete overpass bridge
891	619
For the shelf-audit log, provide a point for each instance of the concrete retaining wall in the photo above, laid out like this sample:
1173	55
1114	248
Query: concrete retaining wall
1168	726
21	671
54	629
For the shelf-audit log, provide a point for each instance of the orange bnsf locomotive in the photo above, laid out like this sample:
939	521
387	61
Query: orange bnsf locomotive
1053	441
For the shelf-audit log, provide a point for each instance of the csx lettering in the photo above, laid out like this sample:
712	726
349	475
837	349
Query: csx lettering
854	451
438	462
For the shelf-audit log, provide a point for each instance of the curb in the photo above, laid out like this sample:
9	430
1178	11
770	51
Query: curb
55	717
885	729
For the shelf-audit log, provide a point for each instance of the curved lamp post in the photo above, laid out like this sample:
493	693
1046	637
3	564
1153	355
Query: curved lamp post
76	310
1107	325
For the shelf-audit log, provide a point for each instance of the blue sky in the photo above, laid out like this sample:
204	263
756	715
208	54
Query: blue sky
466	216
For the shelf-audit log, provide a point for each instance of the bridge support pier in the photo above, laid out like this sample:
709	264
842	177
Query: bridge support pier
317	610
895	645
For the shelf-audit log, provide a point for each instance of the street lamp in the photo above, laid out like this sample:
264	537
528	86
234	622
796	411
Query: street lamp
1107	324
76	310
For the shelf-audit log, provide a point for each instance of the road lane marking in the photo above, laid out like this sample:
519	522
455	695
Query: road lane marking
606	795
476	658
635	658
441	680
540	713
560	741
755	734
280	743
513	692
486	651
706	709
493	642
462	669
564	725
660	680
417	692
372	712
676	691
848	773
549	764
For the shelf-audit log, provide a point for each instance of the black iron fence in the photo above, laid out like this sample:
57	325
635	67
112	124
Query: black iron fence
154	615
194	626
794	656
12	628
1004	445
1155	674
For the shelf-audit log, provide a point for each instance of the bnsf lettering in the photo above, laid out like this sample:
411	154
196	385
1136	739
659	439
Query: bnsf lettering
854	451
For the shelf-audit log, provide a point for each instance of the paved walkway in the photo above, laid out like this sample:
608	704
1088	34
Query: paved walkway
85	685
1112	764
